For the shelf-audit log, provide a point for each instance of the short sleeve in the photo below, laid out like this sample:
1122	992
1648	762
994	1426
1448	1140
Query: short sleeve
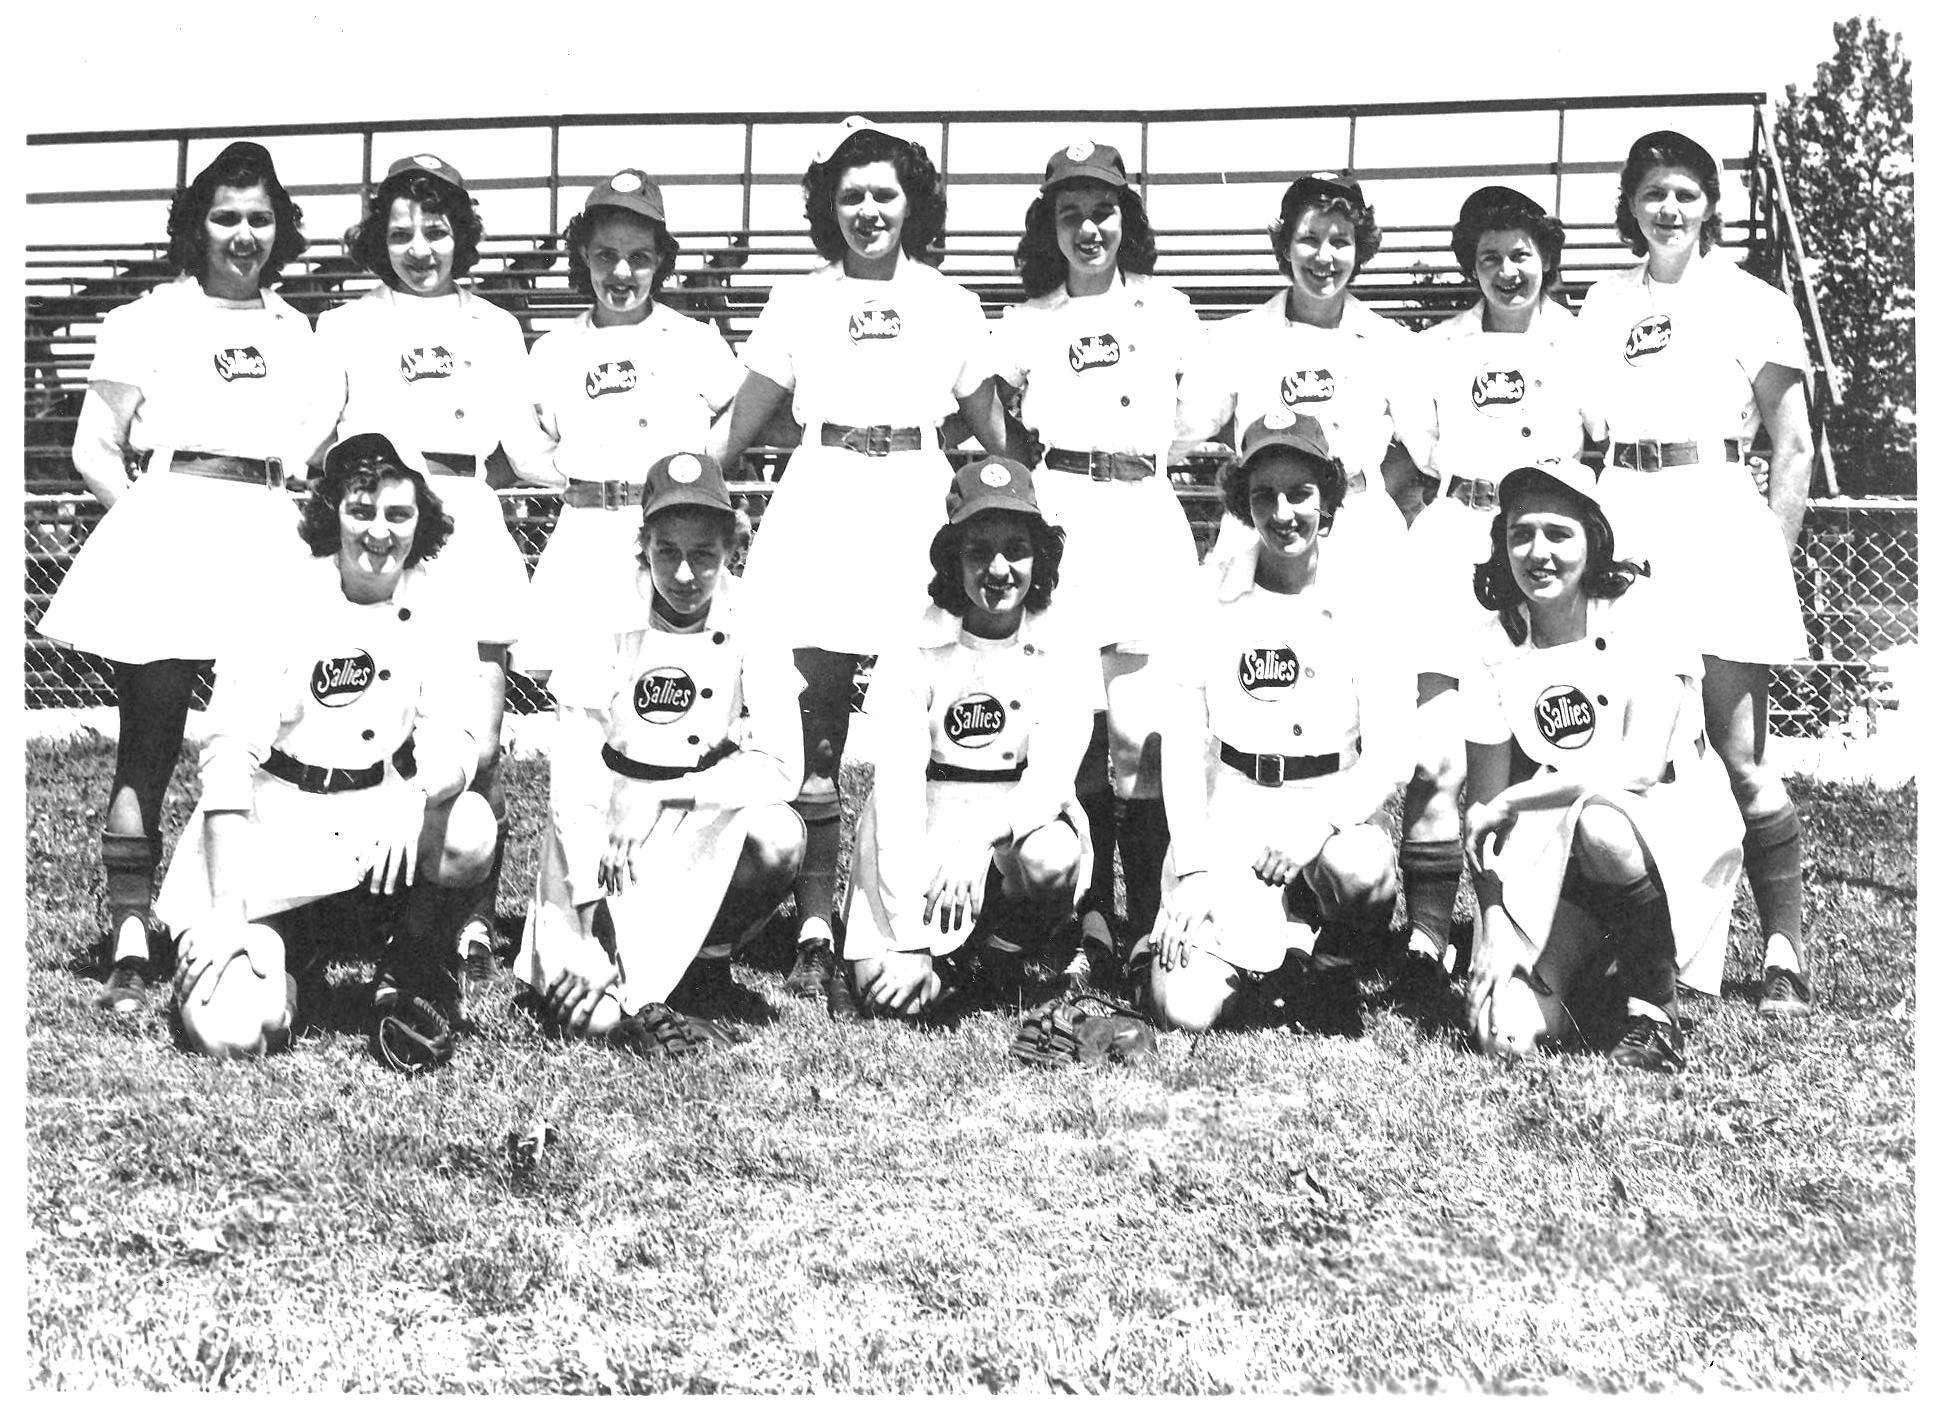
976	342
1481	701
718	374
1009	339
584	673
770	351
125	350
1771	330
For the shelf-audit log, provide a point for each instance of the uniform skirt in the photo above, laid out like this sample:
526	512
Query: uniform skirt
1442	551
171	566
1690	827
481	564
841	560
873	931
299	848
1716	551
1129	555
587	570
653	929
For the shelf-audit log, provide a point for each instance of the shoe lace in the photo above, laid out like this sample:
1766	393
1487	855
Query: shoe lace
1644	1033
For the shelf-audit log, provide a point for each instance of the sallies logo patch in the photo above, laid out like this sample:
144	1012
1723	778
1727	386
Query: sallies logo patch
1648	335
664	695
1565	716
1311	384
974	720
1090	352
611	377
343	680
1266	673
238	363
418	363
1493	387
875	324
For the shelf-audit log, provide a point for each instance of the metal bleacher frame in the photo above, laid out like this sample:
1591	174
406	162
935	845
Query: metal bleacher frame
1221	268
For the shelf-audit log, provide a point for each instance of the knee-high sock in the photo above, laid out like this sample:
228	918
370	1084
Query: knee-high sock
1640	923
1772	847
1095	793
129	860
822	842
1431	871
1143	839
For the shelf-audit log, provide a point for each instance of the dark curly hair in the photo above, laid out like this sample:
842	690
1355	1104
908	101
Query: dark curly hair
1041	265
189	243
1332	478
916	174
579	232
947	580
1298	200
318	524
1508	216
1671	151
435	195
1606	577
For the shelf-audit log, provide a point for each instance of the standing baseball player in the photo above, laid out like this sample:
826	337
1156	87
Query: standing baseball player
202	395
1290	677
626	383
971	833
874	349
1096	351
446	370
677	750
1687	359
1500	391
1600	826
1315	349
344	733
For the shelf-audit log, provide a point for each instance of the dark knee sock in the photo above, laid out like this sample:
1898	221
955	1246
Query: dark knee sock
1143	839
822	841
130	860
1640	924
1095	795
1772	847
1431	871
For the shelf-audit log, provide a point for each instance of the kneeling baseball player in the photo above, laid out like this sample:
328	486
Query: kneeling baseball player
678	747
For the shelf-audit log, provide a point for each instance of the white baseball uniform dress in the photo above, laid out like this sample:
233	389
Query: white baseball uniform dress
1566	708
448	374
841	559
1014	714
323	683
614	400
1494	401
1317	675
720	698
1356	379
1676	362
1100	377
162	575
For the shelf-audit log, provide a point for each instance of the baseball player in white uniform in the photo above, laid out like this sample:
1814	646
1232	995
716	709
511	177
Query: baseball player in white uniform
873	350
1315	349
972	833
1096	351
1499	390
1600	825
1687	359
677	750
626	383
446	370
1289	676
343	735
202	395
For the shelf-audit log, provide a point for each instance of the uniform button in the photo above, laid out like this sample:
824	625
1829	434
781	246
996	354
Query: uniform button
1014	705
458	415
1328	614
1602	701
1311	671
1296	730
1007	755
694	738
720	638
367	735
404	614
1548	768
466	362
1030	650
1525	430
708	693
1599	642
383	674
1126	401
641	422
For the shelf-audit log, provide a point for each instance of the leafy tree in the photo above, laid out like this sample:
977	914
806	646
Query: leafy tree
1847	150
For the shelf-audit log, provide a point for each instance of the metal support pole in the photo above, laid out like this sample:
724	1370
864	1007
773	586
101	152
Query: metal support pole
553	181
748	172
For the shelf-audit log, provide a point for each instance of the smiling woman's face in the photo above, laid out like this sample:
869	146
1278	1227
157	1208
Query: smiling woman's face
870	210
1671	208
422	246
240	229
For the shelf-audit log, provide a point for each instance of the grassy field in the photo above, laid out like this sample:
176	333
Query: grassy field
877	1208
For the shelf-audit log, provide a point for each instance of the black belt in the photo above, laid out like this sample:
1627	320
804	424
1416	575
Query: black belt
951	773
310	778
873	440
639	772
1654	455
1478	495
1271	770
457	463
602	495
246	469
1100	465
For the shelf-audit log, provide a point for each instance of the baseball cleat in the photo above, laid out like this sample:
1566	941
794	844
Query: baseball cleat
843	1005
1650	1044
810	976
1784	994
125	992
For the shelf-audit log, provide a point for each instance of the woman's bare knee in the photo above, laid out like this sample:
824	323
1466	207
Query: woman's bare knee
1048	861
470	837
1607	846
1193	997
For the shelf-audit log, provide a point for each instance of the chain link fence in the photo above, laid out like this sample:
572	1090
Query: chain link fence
1855	568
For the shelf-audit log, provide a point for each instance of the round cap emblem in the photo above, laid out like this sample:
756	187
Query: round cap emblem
995	476
625	182
1278	420
684	468
1080	151
428	161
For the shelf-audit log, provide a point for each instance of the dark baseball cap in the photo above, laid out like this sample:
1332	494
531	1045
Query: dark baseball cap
990	483
373	443
430	164
1324	184
1083	159
1574	476
1494	198
629	189
842	133
684	478
243	153
1676	149
1297	431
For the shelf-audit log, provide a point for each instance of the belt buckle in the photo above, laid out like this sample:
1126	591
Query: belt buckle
613	495
1358	481
1651	456
869	440
273	472
1269	769
1483	495
1099	465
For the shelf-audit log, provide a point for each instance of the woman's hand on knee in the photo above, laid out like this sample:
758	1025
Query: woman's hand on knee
1186	917
1295	845
904	983
1485	826
956	894
571	1000
203	954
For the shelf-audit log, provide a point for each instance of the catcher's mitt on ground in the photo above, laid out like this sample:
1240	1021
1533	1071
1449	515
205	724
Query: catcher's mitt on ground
1089	1030
411	1034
